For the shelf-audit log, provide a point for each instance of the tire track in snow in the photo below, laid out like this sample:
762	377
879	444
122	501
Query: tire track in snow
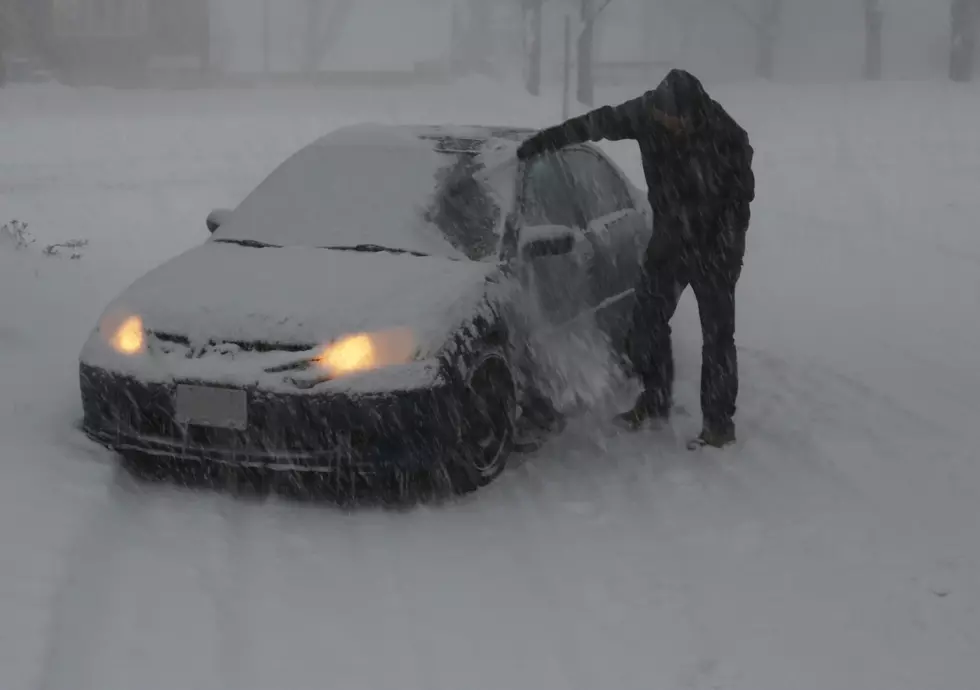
227	570
116	621
82	602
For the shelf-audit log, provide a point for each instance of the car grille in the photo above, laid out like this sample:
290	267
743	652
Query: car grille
173	343
276	422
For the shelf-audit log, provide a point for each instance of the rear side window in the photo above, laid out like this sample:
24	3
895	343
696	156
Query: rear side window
597	184
548	193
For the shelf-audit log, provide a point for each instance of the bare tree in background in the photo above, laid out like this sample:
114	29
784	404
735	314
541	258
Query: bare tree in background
873	22
533	20
766	23
4	38
473	43
964	19
11	32
325	24
652	12
768	32
590	11
19	34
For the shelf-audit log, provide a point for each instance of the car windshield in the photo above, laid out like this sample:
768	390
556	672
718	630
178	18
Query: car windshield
376	191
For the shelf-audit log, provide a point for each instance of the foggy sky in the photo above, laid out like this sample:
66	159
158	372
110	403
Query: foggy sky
818	39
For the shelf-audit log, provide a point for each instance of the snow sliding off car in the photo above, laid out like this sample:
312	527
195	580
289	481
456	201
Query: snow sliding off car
367	308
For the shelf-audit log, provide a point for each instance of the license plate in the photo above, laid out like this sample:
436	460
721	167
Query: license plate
226	408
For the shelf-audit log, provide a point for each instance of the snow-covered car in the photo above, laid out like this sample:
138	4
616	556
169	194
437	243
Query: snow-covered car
367	308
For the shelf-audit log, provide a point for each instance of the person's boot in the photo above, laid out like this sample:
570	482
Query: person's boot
643	414
714	438
539	420
541	412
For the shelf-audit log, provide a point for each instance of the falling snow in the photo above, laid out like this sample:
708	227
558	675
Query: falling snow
836	546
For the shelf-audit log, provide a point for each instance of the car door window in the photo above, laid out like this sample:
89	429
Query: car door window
560	284
548	195
597	184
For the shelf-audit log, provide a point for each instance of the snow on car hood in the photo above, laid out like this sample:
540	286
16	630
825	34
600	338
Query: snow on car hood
303	296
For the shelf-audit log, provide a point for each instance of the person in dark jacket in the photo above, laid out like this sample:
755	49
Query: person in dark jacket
698	166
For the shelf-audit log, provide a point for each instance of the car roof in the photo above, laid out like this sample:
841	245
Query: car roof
451	138
467	131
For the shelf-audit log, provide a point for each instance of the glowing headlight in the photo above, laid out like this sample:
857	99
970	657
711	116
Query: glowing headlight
128	337
366	351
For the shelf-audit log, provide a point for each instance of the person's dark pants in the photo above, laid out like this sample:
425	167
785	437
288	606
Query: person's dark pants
712	271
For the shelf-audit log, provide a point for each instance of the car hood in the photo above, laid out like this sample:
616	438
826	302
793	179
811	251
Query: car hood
303	296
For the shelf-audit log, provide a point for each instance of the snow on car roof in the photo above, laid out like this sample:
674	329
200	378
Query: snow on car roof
449	138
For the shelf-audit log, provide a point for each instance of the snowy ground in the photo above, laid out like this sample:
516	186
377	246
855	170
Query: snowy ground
838	546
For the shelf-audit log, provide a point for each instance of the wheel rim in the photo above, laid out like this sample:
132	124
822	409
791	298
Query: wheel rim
490	429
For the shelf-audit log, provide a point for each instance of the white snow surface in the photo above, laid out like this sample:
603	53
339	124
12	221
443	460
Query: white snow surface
837	546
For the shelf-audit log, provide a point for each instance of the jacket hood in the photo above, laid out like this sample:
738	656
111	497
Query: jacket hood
681	94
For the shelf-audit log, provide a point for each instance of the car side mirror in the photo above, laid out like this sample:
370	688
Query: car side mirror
547	240
217	218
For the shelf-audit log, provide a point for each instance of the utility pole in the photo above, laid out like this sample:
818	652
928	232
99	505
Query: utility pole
567	81
768	29
266	37
533	46
964	21
586	50
873	21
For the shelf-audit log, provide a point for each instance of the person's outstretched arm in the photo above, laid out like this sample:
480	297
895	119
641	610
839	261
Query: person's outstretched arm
615	123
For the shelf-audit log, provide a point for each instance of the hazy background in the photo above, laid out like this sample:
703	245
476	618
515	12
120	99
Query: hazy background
136	41
835	547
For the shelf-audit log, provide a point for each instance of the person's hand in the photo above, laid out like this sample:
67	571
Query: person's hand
530	147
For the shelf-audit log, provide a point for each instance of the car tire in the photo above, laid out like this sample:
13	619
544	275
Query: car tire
487	429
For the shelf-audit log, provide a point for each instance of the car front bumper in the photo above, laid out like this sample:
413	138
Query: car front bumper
328	433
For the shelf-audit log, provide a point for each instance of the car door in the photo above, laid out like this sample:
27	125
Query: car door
560	283
616	226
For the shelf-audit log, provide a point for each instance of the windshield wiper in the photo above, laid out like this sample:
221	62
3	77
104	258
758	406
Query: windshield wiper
373	248
247	243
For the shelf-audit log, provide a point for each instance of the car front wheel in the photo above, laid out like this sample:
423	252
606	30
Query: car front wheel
488	421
